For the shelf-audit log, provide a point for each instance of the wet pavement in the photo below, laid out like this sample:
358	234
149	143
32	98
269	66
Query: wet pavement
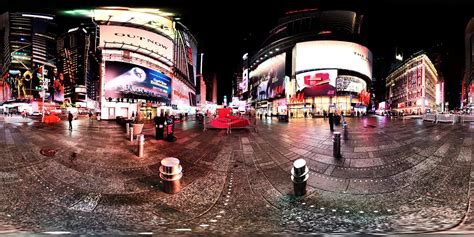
394	176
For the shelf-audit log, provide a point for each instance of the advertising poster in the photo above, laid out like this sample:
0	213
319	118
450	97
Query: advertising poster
271	76
124	80
58	87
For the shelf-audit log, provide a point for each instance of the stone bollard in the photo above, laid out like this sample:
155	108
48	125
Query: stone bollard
336	144
127	128
141	144
131	134
170	174
299	176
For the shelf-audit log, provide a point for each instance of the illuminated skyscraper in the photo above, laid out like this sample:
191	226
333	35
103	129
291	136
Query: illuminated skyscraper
29	41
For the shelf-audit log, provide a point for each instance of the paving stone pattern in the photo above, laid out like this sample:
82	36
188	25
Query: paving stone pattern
395	176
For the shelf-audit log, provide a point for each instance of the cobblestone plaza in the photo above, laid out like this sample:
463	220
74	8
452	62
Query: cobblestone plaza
394	176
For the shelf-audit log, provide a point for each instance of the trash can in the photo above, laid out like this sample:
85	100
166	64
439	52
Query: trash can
159	127
170	129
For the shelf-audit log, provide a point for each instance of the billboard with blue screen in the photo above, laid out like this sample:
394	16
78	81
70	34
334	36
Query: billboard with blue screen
125	80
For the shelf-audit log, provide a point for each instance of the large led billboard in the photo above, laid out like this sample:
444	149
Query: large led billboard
330	54
153	18
136	40
270	75
317	83
124	80
182	94
350	84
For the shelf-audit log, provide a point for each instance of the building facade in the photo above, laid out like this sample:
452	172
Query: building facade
412	86
313	62
147	62
28	44
79	66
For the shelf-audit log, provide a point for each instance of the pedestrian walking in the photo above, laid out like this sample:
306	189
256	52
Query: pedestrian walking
331	121
69	118
90	115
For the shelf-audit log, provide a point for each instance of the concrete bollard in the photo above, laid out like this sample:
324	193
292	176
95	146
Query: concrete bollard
299	176
131	134
336	144
171	173
141	144
127	128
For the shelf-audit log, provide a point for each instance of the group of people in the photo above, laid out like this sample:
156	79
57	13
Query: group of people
8	114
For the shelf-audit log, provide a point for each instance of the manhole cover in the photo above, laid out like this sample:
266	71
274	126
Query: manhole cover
48	152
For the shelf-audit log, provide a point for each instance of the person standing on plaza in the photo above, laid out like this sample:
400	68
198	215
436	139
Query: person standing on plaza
331	121
69	118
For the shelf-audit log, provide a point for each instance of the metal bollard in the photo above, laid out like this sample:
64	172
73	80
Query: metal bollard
299	176
141	144
131	134
127	128
204	122
336	144
171	173
345	132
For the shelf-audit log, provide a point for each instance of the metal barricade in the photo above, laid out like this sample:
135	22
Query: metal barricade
467	118
429	117
447	118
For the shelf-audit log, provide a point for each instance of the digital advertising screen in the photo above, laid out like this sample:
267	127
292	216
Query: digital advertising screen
317	83
330	54
124	80
182	94
271	76
350	84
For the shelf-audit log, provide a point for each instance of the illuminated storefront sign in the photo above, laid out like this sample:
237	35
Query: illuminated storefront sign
124	80
136	40
328	54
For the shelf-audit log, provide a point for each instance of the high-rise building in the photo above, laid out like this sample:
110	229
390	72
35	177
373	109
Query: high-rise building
467	96
79	64
28	43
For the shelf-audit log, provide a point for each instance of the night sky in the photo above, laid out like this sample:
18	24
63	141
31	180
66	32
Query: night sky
227	29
